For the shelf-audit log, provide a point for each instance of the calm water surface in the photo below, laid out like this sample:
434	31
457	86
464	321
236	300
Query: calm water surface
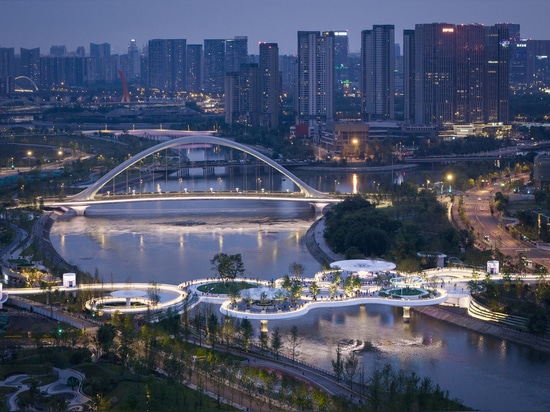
174	242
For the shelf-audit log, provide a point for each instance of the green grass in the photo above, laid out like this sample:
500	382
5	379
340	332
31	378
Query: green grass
221	288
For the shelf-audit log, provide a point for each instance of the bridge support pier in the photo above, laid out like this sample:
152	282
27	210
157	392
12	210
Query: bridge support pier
406	313
319	206
263	328
80	210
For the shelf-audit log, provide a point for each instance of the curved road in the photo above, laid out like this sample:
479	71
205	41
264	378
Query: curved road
490	229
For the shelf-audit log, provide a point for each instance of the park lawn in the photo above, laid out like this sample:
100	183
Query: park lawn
222	288
24	368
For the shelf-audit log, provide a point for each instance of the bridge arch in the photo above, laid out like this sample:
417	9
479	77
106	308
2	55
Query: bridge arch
26	78
90	192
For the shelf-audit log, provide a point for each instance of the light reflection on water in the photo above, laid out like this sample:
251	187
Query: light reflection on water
175	243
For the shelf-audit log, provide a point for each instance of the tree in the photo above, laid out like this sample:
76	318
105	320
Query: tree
105	336
276	342
227	266
297	269
213	327
314	289
338	364
296	290
295	342
350	368
153	293
246	333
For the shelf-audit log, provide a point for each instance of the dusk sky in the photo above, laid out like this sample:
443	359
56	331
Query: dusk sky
73	23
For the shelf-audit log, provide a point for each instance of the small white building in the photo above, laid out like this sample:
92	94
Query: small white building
493	267
69	280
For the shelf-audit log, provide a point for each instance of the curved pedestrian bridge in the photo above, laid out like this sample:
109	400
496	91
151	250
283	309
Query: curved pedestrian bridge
125	299
91	195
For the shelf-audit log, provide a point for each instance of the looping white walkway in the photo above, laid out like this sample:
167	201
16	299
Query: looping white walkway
335	303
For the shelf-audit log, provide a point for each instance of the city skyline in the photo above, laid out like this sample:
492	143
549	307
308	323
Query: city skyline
32	23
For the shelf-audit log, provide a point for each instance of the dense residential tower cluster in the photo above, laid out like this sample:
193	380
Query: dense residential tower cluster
447	74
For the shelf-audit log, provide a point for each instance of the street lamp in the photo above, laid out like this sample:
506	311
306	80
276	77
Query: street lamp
29	154
450	179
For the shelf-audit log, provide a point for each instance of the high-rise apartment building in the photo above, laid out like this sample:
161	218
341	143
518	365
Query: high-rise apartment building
287	65
236	53
194	68
496	96
341	60
470	73
377	73
30	63
80	51
134	62
7	70
167	64
100	68
58	51
435	72
538	64
409	71
243	95
253	94
271	85
214	66
461	73
315	79
100	50
68	71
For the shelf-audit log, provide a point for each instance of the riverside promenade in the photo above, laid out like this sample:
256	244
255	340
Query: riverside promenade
321	252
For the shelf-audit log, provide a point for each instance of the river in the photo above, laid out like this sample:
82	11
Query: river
174	241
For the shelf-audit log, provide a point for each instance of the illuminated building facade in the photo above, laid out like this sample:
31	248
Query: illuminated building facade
315	81
461	74
167	64
378	73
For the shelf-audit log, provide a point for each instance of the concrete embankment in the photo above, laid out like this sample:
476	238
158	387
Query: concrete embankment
41	234
460	318
316	245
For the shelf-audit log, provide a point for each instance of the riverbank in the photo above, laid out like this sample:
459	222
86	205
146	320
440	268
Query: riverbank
318	248
316	245
461	318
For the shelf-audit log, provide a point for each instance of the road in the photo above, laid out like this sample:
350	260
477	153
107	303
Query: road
490	228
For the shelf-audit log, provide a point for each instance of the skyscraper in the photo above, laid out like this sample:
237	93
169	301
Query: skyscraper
497	74
435	73
409	50
30	63
243	96
167	64
134	62
236	53
214	66
194	68
58	51
100	50
315	82
470	64
341	60
461	74
271	86
377	68
100	69
7	70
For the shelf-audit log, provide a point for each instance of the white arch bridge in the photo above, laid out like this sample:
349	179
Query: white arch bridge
81	201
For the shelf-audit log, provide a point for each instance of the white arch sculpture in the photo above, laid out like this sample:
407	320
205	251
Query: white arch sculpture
26	78
90	192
